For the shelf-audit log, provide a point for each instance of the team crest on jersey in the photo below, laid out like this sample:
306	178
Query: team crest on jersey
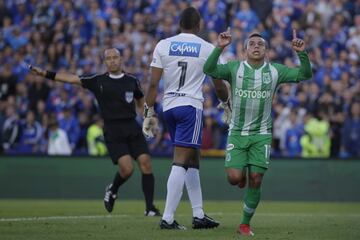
188	49
266	77
230	146
129	96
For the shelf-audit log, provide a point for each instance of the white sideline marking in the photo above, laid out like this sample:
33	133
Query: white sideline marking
60	218
24	219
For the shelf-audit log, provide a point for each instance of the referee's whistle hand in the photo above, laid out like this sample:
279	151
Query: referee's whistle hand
37	70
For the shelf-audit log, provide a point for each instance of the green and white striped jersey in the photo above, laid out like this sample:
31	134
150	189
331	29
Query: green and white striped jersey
253	89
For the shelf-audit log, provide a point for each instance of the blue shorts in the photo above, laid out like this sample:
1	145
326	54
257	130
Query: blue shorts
184	124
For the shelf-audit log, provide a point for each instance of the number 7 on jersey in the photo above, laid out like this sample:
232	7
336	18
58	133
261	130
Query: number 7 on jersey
183	66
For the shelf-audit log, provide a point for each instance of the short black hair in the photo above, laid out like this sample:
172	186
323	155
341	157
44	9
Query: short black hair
190	19
255	35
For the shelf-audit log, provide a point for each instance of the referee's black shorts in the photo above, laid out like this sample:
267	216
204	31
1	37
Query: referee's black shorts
123	137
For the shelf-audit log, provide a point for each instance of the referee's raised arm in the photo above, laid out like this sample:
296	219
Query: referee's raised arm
61	77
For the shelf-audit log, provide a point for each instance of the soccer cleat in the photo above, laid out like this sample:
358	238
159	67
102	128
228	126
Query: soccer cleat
205	222
244	229
109	199
175	225
153	212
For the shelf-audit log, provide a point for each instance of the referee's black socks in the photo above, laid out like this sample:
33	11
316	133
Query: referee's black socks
117	182
148	182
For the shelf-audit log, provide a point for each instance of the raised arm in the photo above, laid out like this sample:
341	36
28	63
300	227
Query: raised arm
298	45
211	67
305	72
217	71
61	77
301	73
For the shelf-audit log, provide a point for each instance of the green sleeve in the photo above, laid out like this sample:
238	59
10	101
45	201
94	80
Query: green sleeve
219	71
288	75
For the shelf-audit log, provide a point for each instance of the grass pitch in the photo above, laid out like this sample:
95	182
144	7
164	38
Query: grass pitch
80	219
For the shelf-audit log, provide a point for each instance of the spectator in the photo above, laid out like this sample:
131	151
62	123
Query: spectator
58	140
310	16
328	107
15	39
84	124
246	19
70	124
214	15
95	138
262	9
7	82
316	141
351	132
22	99
71	34
10	130
38	90
31	133
292	136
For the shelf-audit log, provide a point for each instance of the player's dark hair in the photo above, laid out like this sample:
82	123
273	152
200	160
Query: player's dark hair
190	19
254	35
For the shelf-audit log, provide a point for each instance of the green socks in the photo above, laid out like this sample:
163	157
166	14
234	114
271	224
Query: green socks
252	199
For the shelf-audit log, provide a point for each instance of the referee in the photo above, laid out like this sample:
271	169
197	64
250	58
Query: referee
117	93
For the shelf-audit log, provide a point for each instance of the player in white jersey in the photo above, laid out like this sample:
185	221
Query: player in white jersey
182	56
179	61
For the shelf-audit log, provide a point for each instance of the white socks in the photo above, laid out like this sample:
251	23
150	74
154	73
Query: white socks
175	185
192	182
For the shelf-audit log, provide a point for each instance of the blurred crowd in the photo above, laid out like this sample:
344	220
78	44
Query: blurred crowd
317	118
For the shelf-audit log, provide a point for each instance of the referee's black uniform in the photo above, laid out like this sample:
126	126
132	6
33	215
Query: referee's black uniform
115	96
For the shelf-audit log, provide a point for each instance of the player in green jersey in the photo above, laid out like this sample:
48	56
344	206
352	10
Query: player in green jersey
253	84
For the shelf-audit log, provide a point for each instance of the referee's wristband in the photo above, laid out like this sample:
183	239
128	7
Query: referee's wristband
50	75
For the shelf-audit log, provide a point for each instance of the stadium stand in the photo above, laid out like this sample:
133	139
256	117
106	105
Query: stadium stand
70	35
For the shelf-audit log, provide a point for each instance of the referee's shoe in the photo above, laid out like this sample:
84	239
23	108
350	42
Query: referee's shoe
205	222
153	212
109	199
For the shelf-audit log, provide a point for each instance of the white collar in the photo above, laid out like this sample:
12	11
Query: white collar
116	76
187	34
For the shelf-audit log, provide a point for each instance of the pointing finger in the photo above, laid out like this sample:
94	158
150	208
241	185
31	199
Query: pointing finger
294	33
228	30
